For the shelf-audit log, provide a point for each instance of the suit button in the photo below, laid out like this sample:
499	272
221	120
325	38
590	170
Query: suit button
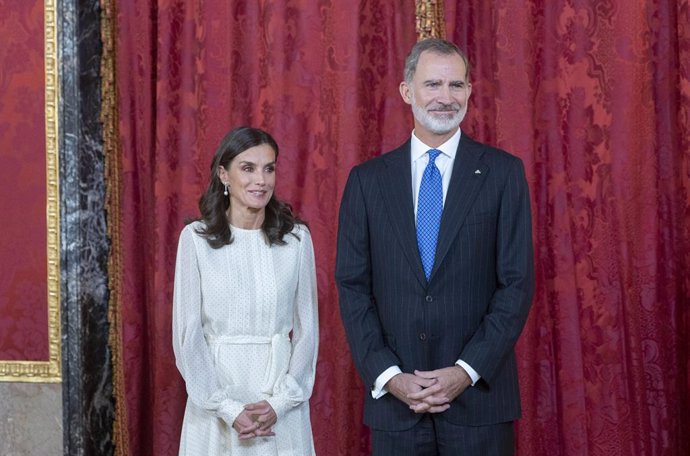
429	299
422	336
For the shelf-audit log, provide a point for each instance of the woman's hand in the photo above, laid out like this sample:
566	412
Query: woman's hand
256	420
263	414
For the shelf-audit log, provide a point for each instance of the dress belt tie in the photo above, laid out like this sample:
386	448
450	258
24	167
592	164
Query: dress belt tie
278	363
238	340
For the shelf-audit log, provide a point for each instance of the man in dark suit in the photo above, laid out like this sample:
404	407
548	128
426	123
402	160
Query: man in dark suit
435	275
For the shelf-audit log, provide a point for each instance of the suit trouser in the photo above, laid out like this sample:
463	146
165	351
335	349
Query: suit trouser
435	436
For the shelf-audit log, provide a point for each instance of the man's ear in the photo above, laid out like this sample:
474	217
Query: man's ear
405	92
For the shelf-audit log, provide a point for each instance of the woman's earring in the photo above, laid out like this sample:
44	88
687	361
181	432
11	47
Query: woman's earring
226	192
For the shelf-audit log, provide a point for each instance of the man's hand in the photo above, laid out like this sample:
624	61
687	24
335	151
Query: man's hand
256	420
402	385
449	383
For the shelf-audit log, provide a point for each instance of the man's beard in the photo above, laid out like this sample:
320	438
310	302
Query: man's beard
439	126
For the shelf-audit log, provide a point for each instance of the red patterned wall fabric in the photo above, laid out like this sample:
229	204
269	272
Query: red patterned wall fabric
23	244
594	98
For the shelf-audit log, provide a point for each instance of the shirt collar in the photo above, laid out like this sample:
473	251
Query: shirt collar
449	148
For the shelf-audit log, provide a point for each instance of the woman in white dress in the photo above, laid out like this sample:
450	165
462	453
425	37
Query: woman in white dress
245	324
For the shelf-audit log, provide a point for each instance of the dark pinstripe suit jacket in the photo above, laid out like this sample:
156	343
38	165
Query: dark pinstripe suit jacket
476	301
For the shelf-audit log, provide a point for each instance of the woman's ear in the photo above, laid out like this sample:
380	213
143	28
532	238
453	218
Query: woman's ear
222	174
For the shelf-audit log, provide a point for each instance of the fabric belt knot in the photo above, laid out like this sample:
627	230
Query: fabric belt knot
278	364
429	211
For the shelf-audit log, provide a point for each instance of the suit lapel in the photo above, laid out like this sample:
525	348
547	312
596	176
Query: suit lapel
469	173
396	188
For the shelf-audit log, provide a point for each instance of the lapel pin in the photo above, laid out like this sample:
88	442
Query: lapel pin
477	172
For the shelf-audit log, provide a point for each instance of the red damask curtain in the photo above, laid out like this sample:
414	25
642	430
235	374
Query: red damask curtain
593	96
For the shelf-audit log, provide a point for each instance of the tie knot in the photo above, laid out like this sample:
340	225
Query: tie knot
433	153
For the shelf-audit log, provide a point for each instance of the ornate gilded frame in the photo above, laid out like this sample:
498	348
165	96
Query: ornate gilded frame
430	20
49	371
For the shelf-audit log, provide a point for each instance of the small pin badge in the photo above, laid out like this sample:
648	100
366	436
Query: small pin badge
477	172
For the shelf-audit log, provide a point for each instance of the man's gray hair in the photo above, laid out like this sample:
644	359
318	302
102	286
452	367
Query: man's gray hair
437	46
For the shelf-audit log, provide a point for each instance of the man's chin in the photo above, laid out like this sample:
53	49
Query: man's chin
444	131
444	121
436	124
442	128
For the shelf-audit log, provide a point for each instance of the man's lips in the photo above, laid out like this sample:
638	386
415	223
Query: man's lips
445	109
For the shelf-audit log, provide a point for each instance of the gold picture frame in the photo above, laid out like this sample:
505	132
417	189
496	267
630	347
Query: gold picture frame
49	371
430	19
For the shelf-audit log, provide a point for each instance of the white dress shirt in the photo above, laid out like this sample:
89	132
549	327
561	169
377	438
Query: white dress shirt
419	158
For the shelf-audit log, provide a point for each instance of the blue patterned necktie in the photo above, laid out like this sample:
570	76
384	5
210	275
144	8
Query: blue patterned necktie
429	210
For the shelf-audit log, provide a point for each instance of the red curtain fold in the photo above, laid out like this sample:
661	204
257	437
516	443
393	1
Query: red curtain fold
595	98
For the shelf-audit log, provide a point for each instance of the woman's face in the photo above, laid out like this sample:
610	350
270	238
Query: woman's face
251	178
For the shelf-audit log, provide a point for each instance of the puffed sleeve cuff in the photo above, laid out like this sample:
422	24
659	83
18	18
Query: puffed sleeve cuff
221	404
287	394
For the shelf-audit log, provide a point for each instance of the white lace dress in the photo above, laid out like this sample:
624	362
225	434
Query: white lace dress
245	329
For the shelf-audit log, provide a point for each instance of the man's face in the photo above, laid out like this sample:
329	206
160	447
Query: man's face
438	94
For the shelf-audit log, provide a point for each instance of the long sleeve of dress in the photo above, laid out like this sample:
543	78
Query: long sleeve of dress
295	387
192	353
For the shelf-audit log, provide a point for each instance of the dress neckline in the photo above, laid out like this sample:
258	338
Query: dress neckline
246	230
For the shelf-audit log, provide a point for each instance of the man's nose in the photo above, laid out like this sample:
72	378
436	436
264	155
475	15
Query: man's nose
444	94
